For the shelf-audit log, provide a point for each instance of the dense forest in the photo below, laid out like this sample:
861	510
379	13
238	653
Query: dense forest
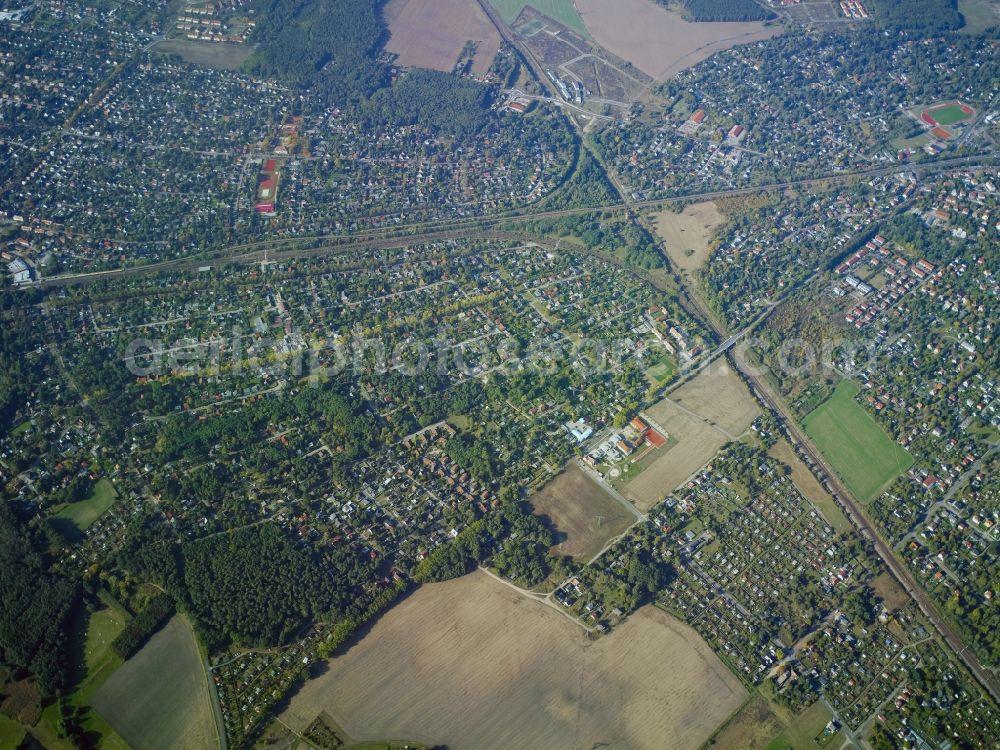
143	625
439	102
328	45
925	16
516	540
725	10
35	607
256	587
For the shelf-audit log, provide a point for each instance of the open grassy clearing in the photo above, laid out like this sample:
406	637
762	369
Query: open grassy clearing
810	487
889	591
584	515
659	42
11	733
432	33
803	730
159	698
979	15
82	514
563	11
854	443
209	54
473	664
751	728
686	235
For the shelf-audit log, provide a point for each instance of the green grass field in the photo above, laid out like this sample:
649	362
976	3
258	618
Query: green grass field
562	11
860	451
949	114
159	698
11	733
804	730
85	512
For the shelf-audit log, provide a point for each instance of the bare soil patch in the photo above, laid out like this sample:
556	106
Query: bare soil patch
475	665
697	442
659	41
584	515
431	33
687	235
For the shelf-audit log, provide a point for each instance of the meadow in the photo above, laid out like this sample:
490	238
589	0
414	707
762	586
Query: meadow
563	11
860	451
84	513
159	699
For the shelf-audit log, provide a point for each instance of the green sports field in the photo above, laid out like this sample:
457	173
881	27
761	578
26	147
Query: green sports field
562	11
949	114
854	443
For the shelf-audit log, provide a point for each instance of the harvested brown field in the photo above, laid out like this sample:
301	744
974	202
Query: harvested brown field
718	396
584	515
432	33
687	235
659	41
475	665
697	442
702	415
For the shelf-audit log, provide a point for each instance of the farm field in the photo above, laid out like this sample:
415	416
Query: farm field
432	33
659	42
83	513
473	664
687	234
718	396
584	515
210	54
702	416
159	698
563	11
854	443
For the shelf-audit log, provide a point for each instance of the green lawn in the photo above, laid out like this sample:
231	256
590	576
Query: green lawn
562	11
804	730
11	733
85	512
854	443
159	698
949	114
